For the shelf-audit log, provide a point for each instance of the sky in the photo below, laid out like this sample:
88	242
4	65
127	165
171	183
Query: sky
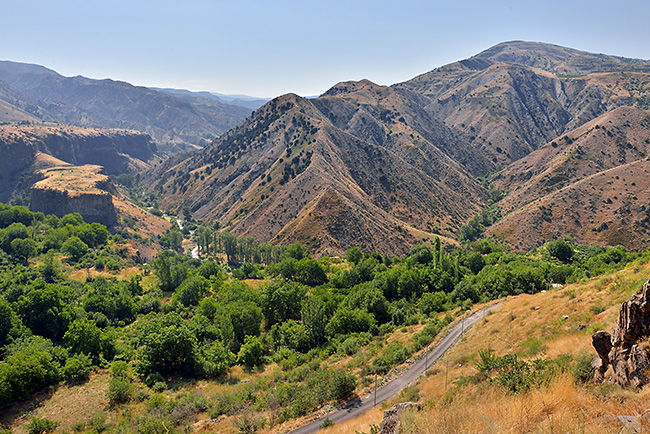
268	48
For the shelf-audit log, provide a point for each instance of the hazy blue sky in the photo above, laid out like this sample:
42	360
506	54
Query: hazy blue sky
267	48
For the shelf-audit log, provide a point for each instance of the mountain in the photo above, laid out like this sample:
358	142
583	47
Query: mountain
589	184
384	167
175	122
297	170
250	102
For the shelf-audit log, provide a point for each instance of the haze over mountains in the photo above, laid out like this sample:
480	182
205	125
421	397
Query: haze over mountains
176	120
386	166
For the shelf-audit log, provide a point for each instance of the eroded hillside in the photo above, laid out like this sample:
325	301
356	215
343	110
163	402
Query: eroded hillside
383	166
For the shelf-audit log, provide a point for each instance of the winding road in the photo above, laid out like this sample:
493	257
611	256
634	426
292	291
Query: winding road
358	406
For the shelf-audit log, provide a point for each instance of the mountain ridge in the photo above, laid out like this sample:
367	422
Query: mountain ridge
176	123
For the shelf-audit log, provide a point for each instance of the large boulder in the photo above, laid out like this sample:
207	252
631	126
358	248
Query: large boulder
628	355
391	422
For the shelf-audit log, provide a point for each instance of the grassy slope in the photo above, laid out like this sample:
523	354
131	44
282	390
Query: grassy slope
519	326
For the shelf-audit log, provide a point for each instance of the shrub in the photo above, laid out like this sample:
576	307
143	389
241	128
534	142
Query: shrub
41	425
251	353
77	367
582	371
393	354
120	390
326	423
342	385
120	369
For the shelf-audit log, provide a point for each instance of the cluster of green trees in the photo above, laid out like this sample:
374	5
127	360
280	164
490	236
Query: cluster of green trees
198	318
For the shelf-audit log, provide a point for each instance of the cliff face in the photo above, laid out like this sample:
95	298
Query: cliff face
92	206
69	189
115	150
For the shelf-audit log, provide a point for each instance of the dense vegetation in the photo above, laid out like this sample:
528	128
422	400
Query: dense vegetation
243	304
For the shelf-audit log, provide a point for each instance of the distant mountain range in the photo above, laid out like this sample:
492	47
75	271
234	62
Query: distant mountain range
383	167
176	120
237	100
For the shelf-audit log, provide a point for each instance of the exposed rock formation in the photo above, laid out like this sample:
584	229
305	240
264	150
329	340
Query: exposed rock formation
116	150
391	422
69	189
627	362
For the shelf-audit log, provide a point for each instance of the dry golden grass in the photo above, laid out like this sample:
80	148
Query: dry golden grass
552	318
73	179
68	405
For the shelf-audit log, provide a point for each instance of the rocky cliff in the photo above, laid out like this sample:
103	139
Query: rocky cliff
624	356
68	189
116	150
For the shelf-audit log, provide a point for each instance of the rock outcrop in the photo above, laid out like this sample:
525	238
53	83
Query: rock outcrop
70	189
391	422
624	357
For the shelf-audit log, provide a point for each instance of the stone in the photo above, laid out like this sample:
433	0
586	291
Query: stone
602	342
391	422
624	349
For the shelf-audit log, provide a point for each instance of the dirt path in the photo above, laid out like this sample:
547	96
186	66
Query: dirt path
358	406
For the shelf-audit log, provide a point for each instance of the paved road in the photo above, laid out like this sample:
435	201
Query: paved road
359	406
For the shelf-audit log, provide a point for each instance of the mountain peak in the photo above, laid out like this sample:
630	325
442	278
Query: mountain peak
559	60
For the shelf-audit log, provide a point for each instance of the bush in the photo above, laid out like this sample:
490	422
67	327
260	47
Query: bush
342	385
120	390
120	369
326	423
77	367
251	353
41	425
393	354
582	371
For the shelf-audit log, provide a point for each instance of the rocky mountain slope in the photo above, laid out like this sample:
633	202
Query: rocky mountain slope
383	167
589	184
176	122
289	173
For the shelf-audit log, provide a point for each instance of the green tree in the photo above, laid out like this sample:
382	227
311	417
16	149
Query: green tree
421	254
251	353
560	250
347	321
354	255
77	367
192	290
46	310
296	251
6	321
84	337
309	272
30	368
290	334
24	249
213	359
74	248
229	242
111	299
282	300
168	350
314	319
341	385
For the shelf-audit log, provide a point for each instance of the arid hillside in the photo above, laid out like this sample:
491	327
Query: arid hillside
589	184
290	174
384	167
